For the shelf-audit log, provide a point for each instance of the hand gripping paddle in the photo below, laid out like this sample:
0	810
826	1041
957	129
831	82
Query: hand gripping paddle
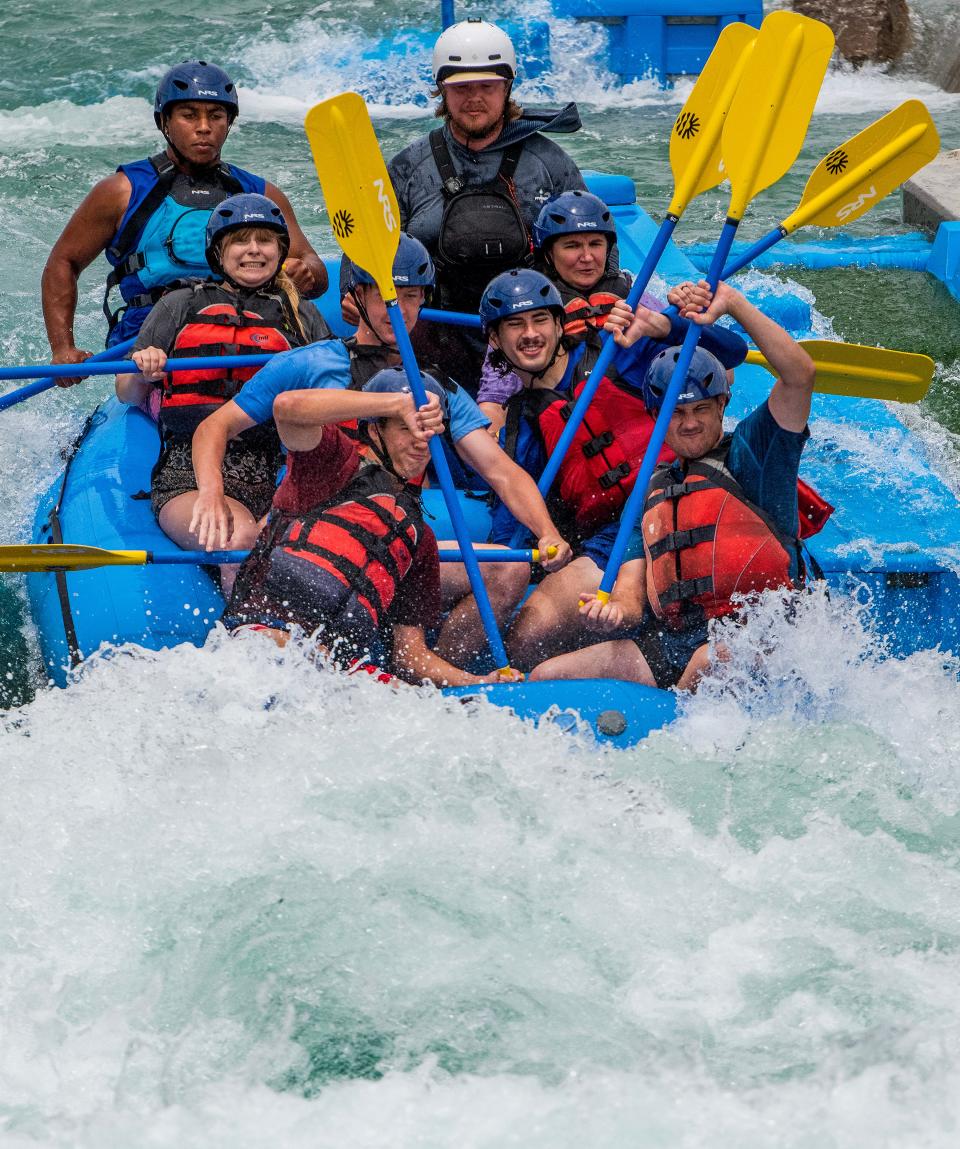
762	136
365	219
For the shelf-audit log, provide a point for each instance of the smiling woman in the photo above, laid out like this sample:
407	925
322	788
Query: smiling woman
255	306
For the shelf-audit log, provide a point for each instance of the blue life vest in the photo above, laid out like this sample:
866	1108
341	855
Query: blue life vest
162	236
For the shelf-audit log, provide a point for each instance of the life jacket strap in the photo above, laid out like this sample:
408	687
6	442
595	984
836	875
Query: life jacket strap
683	540
452	183
614	475
687	589
598	444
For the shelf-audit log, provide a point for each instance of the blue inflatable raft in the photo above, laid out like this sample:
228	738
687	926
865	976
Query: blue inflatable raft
892	538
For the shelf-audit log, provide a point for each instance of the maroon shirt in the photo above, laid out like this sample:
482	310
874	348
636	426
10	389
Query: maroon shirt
318	476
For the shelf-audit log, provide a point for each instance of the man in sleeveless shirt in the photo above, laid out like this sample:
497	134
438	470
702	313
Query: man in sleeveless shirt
149	217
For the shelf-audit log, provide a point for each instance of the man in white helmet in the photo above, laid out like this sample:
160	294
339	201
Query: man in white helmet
470	190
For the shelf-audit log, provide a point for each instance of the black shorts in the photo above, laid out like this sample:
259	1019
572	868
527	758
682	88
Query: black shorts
249	476
668	651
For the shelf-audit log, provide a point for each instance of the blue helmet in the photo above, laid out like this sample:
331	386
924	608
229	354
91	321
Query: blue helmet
573	213
706	378
195	80
393	379
412	266
239	211
517	291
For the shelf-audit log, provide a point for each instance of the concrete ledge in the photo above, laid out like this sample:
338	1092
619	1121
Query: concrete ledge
932	197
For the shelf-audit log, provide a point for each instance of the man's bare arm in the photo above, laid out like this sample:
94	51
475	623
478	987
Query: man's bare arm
302	264
88	232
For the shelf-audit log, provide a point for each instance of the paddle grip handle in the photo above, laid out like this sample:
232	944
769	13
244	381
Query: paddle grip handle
608	348
54	372
634	505
442	467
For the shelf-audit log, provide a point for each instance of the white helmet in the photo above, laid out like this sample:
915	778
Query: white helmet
473	50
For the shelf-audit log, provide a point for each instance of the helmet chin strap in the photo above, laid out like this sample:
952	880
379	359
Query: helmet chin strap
558	351
366	319
379	451
242	288
187	163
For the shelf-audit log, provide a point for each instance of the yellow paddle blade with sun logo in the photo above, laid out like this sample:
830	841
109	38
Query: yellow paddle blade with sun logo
855	176
695	140
360	199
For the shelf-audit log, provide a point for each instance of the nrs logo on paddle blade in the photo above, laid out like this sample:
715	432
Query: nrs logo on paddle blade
857	204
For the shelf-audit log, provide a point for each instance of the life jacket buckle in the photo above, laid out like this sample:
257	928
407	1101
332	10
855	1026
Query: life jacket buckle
614	476
597	444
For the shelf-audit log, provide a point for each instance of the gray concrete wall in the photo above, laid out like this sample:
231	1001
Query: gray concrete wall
933	195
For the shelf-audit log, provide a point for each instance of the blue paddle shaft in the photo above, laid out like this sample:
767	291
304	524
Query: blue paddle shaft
447	555
634	505
454	318
442	467
608	348
607	351
52	373
97	365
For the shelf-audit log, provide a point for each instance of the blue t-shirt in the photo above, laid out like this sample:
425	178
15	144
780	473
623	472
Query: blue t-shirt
327	364
764	458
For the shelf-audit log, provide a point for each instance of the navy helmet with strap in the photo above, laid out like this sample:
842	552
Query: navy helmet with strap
573	213
195	80
412	266
514	292
391	380
243	211
706	378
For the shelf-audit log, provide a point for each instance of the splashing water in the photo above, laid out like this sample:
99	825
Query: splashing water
249	903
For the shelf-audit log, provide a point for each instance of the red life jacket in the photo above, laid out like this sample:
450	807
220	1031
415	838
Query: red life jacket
588	311
705	541
213	328
366	540
601	465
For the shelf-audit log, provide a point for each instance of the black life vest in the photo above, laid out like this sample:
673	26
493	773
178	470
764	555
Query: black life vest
220	322
482	231
347	556
705	541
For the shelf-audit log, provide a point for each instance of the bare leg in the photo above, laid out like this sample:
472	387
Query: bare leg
700	664
549	622
175	522
619	658
462	635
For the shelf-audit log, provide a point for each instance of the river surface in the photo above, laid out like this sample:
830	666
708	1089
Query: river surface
247	904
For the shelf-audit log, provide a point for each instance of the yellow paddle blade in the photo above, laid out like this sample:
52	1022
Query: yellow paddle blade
868	372
767	122
65	557
695	140
360	198
855	176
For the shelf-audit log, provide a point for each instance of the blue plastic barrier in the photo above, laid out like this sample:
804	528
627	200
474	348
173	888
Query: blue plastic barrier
661	38
945	258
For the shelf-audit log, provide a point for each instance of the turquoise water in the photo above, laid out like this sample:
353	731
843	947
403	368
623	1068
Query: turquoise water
247	904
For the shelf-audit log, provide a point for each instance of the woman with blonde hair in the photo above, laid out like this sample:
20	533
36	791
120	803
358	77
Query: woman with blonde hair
249	307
